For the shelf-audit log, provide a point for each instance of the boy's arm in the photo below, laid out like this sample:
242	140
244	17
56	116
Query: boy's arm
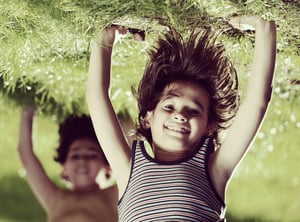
105	121
39	182
252	111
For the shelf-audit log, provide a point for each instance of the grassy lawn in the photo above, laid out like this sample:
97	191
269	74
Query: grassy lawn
265	187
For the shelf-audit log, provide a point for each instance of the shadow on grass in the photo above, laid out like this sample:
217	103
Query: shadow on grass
18	203
233	218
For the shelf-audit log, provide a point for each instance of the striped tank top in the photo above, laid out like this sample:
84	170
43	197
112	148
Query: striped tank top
170	191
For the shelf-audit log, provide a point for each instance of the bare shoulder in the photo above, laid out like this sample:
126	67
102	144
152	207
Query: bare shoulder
85	206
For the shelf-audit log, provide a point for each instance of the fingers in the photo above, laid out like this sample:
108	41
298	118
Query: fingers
106	36
119	32
252	22
138	34
121	29
244	22
114	32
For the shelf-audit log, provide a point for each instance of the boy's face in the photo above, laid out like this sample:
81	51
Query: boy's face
84	160
180	119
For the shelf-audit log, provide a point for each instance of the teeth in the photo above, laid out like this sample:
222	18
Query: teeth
177	129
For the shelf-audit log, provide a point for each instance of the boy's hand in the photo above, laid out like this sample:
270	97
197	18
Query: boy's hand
28	110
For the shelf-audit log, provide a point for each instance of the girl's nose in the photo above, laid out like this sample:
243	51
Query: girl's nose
82	160
179	118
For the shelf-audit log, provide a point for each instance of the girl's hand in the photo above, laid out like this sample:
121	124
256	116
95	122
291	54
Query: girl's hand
245	22
110	35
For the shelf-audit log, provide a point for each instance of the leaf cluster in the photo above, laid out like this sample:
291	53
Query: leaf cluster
45	44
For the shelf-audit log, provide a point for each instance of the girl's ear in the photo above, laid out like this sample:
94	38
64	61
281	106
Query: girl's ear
105	177
108	172
211	129
147	119
66	179
64	175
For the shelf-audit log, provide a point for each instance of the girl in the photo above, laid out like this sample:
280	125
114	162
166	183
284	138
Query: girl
187	95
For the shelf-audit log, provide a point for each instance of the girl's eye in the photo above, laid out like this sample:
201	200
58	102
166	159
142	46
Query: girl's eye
194	112
86	156
169	107
92	156
74	156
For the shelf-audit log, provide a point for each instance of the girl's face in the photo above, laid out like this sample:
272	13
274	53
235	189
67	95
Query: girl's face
180	119
83	163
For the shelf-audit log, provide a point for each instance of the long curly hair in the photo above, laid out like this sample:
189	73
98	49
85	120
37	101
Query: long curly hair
74	127
198	59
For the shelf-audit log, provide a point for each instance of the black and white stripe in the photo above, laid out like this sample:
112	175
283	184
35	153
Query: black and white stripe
173	191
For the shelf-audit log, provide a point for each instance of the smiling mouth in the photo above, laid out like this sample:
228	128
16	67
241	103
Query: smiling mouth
82	171
178	129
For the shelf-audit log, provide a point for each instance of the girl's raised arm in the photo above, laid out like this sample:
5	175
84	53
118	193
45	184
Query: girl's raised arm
105	121
39	182
253	109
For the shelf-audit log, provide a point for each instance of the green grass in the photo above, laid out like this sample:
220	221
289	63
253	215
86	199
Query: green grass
45	44
265	187
18	203
267	183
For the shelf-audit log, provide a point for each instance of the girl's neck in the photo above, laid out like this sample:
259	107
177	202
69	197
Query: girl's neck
165	155
92	187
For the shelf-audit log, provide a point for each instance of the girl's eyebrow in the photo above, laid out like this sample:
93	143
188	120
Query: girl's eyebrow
168	96
172	93
89	148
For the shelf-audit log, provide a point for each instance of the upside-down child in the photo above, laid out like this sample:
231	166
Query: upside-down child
93	195
187	96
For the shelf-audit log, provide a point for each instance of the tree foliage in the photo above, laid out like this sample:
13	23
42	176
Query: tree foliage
45	44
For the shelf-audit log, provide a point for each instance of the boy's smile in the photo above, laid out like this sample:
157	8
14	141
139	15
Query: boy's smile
83	163
180	119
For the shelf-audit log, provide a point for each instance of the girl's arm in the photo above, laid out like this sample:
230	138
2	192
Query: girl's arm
39	182
252	111
106	124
